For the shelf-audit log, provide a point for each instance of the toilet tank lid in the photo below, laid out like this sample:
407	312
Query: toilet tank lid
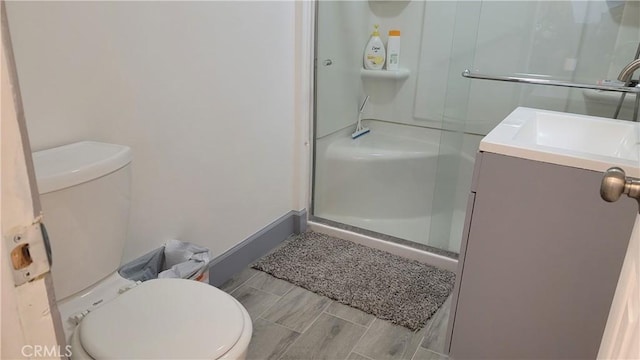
68	165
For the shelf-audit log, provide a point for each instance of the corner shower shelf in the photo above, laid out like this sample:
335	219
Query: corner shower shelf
399	74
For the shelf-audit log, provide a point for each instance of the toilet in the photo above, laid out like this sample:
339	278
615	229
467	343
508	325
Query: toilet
85	194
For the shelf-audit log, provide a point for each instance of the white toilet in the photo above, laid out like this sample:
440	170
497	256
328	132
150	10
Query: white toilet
85	194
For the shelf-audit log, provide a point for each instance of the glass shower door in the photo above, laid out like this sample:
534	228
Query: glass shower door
460	21
576	41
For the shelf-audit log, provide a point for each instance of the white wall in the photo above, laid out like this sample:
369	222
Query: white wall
202	91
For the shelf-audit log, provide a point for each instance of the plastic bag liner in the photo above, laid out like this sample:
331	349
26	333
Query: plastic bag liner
176	259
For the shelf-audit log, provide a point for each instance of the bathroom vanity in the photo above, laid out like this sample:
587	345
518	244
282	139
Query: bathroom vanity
541	251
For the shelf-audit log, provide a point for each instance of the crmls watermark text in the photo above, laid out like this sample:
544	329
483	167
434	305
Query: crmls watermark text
45	351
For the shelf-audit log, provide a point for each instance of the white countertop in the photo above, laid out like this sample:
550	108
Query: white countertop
579	141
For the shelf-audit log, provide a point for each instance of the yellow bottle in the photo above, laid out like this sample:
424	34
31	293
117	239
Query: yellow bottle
374	53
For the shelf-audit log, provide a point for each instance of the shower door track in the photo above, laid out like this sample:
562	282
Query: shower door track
409	252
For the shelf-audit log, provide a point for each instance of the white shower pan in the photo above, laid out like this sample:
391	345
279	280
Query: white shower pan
383	181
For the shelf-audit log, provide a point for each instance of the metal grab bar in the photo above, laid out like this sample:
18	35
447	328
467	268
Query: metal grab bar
524	80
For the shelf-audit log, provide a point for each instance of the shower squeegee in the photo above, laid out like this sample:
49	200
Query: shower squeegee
360	130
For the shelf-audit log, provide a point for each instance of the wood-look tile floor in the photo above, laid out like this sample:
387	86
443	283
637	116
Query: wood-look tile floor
290	322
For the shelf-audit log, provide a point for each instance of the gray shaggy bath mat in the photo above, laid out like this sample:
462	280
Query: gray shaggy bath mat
387	286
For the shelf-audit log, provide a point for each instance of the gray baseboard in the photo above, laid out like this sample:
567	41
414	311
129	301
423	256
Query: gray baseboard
300	221
257	245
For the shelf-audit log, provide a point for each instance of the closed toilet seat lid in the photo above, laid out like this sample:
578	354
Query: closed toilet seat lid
163	319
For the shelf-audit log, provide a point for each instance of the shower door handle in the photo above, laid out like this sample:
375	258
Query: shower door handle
615	183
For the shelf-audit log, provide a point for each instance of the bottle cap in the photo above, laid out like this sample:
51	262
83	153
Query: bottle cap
375	30
394	32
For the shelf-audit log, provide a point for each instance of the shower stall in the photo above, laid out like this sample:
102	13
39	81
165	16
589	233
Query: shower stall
406	182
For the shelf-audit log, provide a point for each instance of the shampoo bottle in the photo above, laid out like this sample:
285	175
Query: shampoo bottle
393	50
374	53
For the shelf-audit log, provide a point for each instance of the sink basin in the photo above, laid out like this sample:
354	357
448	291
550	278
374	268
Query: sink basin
581	141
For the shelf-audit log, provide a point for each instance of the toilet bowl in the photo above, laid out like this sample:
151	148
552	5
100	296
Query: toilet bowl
165	319
85	196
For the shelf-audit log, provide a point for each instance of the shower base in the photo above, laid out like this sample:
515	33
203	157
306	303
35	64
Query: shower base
385	182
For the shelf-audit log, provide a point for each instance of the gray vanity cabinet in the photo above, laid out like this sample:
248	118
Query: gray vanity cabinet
540	259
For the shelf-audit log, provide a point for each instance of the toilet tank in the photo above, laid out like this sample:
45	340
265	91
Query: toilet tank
85	194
